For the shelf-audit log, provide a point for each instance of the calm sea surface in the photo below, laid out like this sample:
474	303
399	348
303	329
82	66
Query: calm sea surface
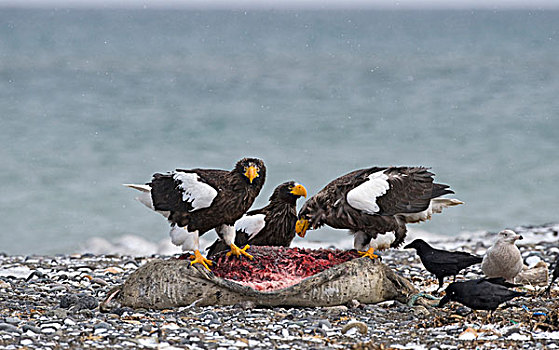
91	99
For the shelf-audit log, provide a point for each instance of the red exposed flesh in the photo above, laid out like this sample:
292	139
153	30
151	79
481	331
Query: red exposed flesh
278	267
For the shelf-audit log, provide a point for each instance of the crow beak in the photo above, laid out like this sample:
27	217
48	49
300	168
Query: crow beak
408	246
444	300
251	173
299	190
301	227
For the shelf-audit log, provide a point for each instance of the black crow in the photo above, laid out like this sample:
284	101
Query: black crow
375	204
442	263
554	276
479	294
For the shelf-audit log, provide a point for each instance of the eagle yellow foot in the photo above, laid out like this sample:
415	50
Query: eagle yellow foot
238	251
199	259
369	253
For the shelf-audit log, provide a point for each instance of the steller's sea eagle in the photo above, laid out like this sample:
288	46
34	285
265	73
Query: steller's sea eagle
375	204
273	225
198	200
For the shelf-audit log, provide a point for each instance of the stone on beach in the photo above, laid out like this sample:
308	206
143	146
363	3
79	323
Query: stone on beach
33	306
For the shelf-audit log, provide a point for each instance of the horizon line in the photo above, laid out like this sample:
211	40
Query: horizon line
286	4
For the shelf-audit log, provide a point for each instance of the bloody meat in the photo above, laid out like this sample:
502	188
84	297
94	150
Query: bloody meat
278	267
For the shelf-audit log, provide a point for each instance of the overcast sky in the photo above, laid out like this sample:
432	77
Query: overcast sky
271	4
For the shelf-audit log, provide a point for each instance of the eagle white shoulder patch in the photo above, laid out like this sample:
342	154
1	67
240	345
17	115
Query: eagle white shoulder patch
251	224
198	193
364	197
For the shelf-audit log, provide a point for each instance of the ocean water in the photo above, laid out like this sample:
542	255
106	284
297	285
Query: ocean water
91	99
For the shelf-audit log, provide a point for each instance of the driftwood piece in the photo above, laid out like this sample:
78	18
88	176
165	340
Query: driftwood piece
174	283
535	276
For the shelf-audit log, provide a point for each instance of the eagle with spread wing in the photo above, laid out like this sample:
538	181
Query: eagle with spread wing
375	204
198	200
272	225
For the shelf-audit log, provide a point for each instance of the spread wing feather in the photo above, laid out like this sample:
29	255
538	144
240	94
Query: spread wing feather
182	190
411	190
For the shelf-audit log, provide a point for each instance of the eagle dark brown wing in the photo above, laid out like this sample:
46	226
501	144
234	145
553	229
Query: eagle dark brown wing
185	190
411	191
375	201
198	200
203	199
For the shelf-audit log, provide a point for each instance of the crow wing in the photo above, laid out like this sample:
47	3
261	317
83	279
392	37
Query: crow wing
448	263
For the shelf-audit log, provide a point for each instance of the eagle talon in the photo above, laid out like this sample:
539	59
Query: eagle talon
199	259
238	251
369	253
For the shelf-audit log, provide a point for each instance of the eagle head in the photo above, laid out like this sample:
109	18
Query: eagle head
288	192
253	169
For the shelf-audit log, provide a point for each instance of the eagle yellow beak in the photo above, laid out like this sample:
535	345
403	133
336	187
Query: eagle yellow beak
301	227
251	173
299	190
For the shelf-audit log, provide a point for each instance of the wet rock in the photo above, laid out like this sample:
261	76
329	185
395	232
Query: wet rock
58	313
325	324
104	325
12	320
9	328
463	310
360	326
421	310
87	302
85	313
32	328
26	341
335	309
68	300
121	310
35	273
31	308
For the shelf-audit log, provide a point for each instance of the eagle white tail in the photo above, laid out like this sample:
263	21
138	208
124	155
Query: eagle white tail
145	195
142	188
436	206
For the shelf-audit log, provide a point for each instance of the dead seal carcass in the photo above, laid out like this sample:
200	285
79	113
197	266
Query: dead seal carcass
277	276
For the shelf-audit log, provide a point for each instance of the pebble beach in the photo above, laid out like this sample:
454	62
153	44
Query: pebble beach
52	302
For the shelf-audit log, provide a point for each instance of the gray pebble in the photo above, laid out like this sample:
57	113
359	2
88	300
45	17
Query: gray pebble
87	302
9	328
319	331
68	300
335	309
86	313
12	320
32	328
420	310
211	314
102	325
58	313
